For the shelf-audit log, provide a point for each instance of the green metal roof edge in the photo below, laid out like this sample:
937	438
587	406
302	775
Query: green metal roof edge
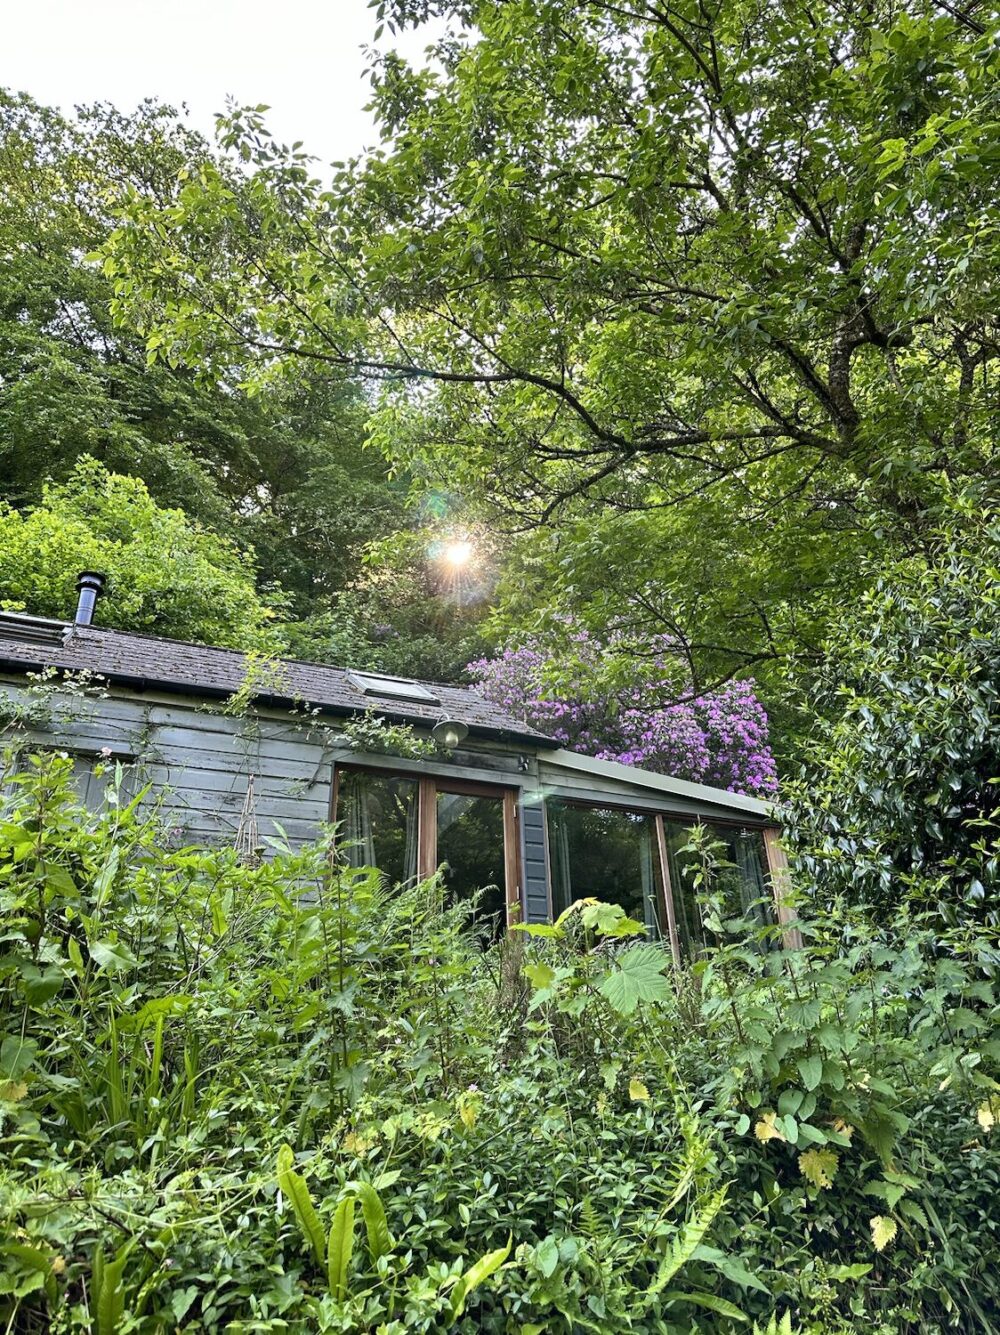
663	783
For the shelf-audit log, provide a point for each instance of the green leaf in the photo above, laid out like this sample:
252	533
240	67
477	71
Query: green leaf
540	976
340	1248
380	1242
915	1212
847	1272
708	1300
547	1256
637	976
110	1295
811	1071
41	985
819	1166
114	956
295	1191
16	1055
475	1275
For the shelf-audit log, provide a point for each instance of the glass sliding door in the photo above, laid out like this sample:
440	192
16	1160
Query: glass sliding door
609	854
408	827
739	881
377	815
471	851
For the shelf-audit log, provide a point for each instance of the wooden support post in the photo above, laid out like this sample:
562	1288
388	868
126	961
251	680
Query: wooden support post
426	829
781	884
512	859
668	891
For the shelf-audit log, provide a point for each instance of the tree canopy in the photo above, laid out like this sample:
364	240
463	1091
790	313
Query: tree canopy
725	262
283	470
166	574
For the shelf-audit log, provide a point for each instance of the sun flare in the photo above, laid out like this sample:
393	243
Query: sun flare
458	554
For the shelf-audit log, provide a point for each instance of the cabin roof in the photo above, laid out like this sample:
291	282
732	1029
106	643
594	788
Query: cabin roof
662	785
141	662
29	643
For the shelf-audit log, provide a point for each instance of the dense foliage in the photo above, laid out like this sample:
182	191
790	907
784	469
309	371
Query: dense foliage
604	703
166	573
711	286
281	475
899	791
556	1134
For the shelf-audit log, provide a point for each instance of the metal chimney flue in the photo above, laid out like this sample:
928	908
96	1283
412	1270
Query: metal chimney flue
90	586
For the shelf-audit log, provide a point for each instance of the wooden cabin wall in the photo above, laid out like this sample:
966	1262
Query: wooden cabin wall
199	760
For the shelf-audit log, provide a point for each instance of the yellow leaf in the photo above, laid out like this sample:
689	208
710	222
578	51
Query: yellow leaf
883	1232
986	1117
637	1091
469	1103
12	1091
767	1130
355	1144
819	1166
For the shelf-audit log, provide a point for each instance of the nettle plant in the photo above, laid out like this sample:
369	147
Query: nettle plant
610	702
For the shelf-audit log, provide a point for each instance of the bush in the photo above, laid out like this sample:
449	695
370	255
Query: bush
283	1098
898	796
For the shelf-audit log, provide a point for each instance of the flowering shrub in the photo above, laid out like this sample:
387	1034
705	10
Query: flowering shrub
720	738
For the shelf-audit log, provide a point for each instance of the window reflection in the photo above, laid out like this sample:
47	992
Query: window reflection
470	845
377	817
608	854
738	880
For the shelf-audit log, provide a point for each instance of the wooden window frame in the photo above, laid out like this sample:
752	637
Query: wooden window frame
777	865
428	788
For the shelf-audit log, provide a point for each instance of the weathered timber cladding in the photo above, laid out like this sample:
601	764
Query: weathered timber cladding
198	761
535	861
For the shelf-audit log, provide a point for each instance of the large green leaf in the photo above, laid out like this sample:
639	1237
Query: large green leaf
340	1248
708	1300
474	1276
380	1242
295	1191
636	976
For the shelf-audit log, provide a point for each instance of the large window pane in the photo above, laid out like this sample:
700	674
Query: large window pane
739	879
470	844
377	817
606	854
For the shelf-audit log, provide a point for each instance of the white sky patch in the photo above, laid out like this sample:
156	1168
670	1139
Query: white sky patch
302	57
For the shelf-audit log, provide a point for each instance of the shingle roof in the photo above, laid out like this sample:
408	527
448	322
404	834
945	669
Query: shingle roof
29	643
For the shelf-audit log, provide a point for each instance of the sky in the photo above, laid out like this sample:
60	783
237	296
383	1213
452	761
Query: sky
302	57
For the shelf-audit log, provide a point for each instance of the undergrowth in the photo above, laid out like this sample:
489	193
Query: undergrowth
284	1098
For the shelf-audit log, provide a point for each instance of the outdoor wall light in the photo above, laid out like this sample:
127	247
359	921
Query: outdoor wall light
449	733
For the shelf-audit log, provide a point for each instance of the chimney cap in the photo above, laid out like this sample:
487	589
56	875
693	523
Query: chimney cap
91	579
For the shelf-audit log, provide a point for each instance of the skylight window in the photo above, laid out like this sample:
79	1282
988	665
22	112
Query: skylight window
392	688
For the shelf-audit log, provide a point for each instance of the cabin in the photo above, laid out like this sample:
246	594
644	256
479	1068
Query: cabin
240	751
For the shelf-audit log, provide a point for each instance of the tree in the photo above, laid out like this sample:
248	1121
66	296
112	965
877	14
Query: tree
283	469
166	574
651	258
634	716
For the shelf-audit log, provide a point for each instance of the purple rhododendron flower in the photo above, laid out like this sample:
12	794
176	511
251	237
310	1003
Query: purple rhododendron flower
720	738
